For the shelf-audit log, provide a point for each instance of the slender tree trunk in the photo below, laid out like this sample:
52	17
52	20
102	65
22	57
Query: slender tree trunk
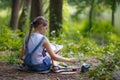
21	21
14	14
55	16
25	15
37	9
91	15
113	12
113	18
21	4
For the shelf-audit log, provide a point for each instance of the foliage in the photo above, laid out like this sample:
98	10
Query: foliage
102	42
10	57
80	47
82	6
101	31
5	3
110	3
13	57
4	17
10	42
110	62
9	39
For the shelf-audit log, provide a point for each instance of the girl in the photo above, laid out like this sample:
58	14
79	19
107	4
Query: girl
40	61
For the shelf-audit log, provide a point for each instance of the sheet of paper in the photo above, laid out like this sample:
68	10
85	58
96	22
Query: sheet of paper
56	48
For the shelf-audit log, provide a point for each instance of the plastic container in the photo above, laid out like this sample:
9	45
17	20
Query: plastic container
85	67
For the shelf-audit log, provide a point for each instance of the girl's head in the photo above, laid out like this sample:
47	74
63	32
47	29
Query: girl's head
40	24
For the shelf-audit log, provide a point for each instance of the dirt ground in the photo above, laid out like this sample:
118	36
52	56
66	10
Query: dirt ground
9	72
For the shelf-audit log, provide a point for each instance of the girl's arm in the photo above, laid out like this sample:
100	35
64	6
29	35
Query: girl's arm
54	56
22	52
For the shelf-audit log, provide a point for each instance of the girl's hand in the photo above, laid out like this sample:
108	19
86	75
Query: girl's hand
72	60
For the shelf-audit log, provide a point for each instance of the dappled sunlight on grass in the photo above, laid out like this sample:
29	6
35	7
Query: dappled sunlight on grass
5	17
4	13
3	56
114	37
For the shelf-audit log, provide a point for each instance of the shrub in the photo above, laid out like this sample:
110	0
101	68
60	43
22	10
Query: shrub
9	39
110	62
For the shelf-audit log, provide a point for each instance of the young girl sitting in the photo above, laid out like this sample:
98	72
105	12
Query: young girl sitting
34	45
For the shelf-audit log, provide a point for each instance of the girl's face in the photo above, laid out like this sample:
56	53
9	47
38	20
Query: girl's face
43	29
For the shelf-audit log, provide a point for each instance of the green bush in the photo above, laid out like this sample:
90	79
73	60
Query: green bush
110	62
13	57
101	31
9	39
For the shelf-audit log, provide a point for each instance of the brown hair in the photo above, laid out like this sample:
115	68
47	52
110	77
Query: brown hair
35	23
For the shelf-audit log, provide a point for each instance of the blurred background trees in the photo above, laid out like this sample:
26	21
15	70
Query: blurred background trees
87	16
84	27
23	12
91	18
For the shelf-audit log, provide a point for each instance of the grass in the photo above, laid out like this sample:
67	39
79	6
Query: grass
10	57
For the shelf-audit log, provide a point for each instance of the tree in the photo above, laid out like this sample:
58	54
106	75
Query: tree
91	14
36	9
113	8
25	6
81	5
14	14
55	16
5	3
113	5
25	14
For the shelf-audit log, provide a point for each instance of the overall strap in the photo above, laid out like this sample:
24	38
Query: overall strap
37	45
27	50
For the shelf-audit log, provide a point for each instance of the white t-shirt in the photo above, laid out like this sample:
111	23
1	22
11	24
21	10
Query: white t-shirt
37	56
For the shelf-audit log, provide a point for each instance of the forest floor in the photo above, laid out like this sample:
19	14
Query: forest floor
10	72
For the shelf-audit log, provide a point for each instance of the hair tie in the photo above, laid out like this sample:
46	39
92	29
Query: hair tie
32	23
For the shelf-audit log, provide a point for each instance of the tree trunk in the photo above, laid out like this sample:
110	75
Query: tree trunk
113	12
55	16
91	15
14	14
25	15
36	9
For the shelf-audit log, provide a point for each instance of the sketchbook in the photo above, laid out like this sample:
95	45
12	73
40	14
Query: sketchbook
56	48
